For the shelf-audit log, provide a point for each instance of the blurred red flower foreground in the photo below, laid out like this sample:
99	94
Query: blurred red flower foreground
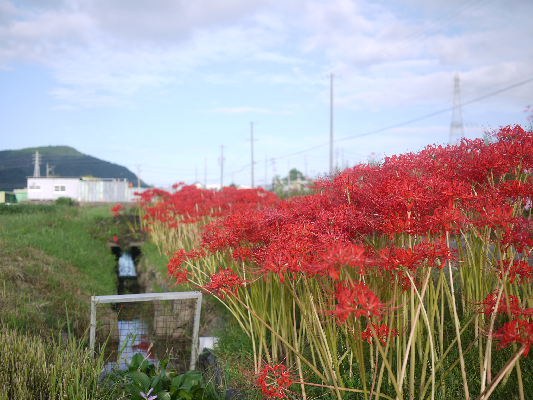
371	231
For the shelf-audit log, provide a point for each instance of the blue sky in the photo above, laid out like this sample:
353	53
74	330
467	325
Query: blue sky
164	84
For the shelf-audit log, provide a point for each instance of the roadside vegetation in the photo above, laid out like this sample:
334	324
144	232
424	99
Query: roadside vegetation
52	259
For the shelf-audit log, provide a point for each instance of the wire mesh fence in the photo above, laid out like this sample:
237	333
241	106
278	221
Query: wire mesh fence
157	325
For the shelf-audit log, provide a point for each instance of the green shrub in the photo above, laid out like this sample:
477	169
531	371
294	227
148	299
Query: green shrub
26	209
64	201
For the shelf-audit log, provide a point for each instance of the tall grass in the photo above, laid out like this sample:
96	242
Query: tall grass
32	368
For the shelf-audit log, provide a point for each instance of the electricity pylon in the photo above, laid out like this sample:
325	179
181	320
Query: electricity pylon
36	168
456	126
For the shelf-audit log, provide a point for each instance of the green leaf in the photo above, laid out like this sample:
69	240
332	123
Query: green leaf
177	381
163	364
163	395
140	379
199	394
158	381
191	379
135	361
184	395
148	367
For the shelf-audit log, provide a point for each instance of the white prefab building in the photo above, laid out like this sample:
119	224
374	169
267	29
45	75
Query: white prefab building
81	189
53	188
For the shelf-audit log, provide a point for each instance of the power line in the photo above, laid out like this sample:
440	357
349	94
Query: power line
423	33
437	112
408	122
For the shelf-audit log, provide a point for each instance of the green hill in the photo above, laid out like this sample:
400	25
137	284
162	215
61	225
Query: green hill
16	165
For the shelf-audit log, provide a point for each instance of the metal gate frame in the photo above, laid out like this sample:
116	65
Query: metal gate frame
129	298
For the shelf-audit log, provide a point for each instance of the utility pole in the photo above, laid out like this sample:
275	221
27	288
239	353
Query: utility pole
456	126
138	176
205	173
266	163
305	157
289	175
36	168
49	169
331	126
221	167
252	141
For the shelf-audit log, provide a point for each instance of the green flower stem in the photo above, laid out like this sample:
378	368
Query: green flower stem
443	357
385	361
344	389
457	328
298	362
430	333
411	335
283	340
487	392
323	345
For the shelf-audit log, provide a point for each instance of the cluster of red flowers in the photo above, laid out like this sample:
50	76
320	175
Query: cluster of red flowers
274	380
116	209
507	305
354	298
437	191
174	267
382	332
191	204
517	330
225	282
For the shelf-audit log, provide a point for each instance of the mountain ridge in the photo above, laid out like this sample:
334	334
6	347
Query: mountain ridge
16	165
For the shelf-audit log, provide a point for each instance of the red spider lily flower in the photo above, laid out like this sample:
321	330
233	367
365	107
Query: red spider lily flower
515	331
115	239
355	298
488	306
225	282
174	269
116	209
520	237
274	380
515	268
382	332
337	255
242	254
278	264
425	254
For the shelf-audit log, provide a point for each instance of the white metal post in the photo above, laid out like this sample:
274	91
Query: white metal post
196	328
92	334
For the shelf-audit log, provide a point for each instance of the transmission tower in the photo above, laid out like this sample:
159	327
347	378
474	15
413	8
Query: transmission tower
49	168
456	126
221	161
36	168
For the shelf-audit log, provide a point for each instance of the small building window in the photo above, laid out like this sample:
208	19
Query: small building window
34	188
59	189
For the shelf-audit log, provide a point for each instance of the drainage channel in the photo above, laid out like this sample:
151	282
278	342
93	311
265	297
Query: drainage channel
132	333
132	330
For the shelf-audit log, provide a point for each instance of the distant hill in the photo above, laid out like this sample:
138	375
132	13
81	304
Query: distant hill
16	165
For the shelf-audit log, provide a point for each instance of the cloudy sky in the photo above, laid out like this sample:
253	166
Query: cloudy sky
166	83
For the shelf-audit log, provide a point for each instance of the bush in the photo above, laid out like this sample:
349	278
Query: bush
64	201
25	209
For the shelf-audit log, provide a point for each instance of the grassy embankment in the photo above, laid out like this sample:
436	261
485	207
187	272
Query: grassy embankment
52	259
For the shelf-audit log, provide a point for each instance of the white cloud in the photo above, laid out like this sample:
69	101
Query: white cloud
107	52
246	110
